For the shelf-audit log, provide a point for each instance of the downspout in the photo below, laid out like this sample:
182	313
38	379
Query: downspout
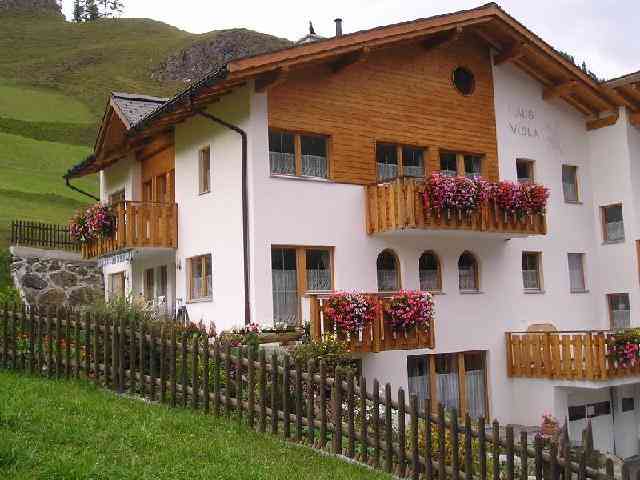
72	187
245	203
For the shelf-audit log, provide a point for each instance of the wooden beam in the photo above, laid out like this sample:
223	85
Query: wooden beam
442	38
560	90
352	58
271	79
603	122
515	52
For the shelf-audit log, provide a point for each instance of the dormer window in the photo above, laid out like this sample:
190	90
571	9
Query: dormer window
300	155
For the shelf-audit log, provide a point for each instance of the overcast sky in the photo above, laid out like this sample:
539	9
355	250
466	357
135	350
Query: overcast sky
602	32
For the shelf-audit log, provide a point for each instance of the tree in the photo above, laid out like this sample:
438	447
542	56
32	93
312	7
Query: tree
91	11
110	8
78	11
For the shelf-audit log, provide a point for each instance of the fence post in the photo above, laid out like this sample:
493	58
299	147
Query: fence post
205	374
77	326
195	388
455	450
442	473
376	423
364	435
216	378
553	464
538	457
495	450
39	340
286	425
163	365
468	445
402	444
323	404
251	379
32	349
67	342
388	430
239	382
227	380
428	441
274	393
115	382
152	364
415	454
524	474
5	335
351	443
107	358
510	453
299	411
337	414
58	342
311	404
142	357
184	381
263	391
96	340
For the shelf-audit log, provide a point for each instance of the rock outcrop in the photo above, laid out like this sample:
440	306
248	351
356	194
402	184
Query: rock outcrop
47	278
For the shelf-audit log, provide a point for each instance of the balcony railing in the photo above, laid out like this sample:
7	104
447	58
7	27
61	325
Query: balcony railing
399	205
377	336
579	355
138	224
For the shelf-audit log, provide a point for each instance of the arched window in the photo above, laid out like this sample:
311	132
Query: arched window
429	271
388	271
468	272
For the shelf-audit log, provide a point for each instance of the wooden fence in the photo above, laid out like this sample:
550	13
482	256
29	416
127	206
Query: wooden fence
42	235
579	355
305	404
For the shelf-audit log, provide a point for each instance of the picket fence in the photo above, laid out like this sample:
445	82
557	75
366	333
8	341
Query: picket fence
307	404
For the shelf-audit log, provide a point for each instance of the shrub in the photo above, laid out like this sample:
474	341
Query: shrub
332	351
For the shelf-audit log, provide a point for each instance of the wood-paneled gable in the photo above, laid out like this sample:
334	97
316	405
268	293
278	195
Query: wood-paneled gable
400	95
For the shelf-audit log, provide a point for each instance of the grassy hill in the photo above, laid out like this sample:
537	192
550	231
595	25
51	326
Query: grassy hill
55	79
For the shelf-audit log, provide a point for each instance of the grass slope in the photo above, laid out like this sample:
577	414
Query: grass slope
69	429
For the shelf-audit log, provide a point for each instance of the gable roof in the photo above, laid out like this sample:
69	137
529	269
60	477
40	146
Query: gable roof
512	41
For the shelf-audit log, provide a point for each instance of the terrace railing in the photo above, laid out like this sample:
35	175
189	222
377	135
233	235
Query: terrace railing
42	235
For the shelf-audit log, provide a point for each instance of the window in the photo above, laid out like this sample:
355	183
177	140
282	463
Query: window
413	162
319	272
388	271
116	197
468	273
628	404
524	170
149	281
612	224
475	384
387	161
204	171
298	154
162	281
116	285
570	183
314	156
429	272
464	80
448	164
576	272
531	277
447	380
316	267
200	279
472	166
418	376
619	310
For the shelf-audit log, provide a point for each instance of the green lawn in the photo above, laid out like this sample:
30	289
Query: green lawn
32	105
68	429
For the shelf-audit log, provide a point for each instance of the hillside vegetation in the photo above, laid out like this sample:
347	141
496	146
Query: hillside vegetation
55	79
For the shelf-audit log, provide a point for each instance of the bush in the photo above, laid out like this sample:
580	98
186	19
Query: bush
330	350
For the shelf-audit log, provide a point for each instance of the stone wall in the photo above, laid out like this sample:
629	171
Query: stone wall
47	278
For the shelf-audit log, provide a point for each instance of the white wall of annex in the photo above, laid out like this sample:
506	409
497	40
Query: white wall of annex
212	223
124	174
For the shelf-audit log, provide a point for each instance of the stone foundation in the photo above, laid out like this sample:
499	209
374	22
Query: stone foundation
51	278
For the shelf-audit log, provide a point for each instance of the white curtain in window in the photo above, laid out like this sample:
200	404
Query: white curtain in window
467	279
387	171
530	279
414	170
419	386
576	272
570	191
387	280
448	389
282	163
615	231
429	280
475	393
620	318
318	280
314	166
285	296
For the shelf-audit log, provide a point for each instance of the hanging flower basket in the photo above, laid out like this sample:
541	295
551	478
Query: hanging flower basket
624	348
350	312
410	308
97	221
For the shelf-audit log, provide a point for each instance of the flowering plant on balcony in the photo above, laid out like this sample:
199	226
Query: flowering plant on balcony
350	311
456	193
97	221
520	198
408	309
624	348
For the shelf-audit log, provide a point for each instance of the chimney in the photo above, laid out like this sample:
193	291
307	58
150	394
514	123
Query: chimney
338	27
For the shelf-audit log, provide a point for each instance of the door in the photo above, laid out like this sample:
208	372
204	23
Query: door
625	426
592	405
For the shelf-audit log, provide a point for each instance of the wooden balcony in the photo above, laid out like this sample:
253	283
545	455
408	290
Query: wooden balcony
399	206
579	355
138	225
375	337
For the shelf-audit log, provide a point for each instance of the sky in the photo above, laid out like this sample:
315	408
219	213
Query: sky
601	32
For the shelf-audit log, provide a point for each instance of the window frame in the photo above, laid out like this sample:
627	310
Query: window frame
301	271
398	270
576	184
461	170
530	166
439	271
538	261
297	143
202	188
603	215
399	148
207	296
476	273
584	276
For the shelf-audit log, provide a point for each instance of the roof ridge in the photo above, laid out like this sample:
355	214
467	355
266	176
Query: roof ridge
139	97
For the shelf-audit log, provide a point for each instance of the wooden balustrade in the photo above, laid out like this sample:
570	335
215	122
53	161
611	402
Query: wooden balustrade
580	355
399	205
138	224
377	336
